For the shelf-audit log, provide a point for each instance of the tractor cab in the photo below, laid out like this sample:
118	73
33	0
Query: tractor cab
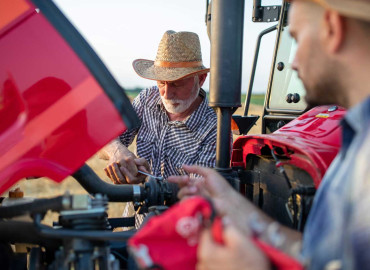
280	169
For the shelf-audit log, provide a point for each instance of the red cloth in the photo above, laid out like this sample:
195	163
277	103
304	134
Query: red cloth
170	241
280	260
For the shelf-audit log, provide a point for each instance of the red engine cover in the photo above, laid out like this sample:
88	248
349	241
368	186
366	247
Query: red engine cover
310	142
54	115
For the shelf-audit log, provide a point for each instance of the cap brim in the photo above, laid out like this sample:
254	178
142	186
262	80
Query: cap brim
146	69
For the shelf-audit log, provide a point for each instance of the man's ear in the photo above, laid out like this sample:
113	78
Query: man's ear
333	31
202	78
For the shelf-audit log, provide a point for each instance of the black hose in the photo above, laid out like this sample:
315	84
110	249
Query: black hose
27	233
280	166
87	235
115	193
36	206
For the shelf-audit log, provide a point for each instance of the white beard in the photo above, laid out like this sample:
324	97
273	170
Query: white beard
181	105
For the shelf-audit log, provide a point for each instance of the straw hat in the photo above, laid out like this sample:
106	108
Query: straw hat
359	9
178	56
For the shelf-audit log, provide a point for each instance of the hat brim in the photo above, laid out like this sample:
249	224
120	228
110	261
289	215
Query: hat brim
355	9
146	69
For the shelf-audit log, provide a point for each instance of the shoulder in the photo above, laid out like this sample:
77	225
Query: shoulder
148	97
207	112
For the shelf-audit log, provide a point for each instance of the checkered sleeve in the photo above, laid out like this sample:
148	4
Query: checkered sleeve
139	104
207	156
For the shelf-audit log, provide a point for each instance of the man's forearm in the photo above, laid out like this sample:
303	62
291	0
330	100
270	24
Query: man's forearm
113	148
251	219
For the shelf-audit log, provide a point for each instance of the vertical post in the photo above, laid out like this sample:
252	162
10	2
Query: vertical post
226	70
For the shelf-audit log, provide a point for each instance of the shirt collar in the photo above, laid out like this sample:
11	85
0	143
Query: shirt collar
358	116
355	121
192	121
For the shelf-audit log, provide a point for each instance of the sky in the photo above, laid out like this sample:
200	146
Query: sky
121	31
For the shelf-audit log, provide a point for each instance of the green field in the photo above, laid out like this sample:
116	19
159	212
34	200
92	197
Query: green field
255	99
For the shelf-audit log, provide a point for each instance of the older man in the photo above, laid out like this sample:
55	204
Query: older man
177	125
333	61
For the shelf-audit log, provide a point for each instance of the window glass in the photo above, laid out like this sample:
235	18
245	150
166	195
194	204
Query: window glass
286	81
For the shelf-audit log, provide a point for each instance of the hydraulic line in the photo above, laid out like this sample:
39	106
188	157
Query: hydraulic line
36	206
25	232
86	235
280	166
115	193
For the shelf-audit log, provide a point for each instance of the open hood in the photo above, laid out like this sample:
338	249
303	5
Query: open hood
56	96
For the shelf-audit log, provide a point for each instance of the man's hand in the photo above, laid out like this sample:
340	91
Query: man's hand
227	201
237	252
211	184
124	165
231	204
125	170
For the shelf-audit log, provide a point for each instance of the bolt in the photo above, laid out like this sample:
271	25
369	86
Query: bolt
280	66
332	109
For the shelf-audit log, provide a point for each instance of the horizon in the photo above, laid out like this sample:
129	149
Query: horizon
125	30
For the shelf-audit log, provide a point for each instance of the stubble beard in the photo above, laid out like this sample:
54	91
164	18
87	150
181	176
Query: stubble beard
328	90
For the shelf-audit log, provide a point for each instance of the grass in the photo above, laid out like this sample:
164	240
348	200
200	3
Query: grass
257	99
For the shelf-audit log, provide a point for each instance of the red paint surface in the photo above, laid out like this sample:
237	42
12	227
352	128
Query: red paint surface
310	142
53	113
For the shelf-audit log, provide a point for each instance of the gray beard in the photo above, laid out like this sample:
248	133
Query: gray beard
182	105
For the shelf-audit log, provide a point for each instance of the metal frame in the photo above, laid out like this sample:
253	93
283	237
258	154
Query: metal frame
268	93
265	13
253	72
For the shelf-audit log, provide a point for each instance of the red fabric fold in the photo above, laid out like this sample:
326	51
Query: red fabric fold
170	241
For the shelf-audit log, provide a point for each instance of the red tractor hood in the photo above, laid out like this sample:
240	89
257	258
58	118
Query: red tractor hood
54	109
309	142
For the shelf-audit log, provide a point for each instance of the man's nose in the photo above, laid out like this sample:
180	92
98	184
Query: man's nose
169	91
294	64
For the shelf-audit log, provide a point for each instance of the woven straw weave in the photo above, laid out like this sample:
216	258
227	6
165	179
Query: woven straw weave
358	9
175	47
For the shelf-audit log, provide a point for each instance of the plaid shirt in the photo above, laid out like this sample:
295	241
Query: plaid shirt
167	145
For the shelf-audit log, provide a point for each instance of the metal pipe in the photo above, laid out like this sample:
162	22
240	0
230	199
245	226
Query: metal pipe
115	193
25	232
223	151
253	72
36	206
226	70
51	233
226	53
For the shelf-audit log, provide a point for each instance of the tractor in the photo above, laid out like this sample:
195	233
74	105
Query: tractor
56	95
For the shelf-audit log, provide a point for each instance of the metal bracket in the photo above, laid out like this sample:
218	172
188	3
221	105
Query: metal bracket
266	13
